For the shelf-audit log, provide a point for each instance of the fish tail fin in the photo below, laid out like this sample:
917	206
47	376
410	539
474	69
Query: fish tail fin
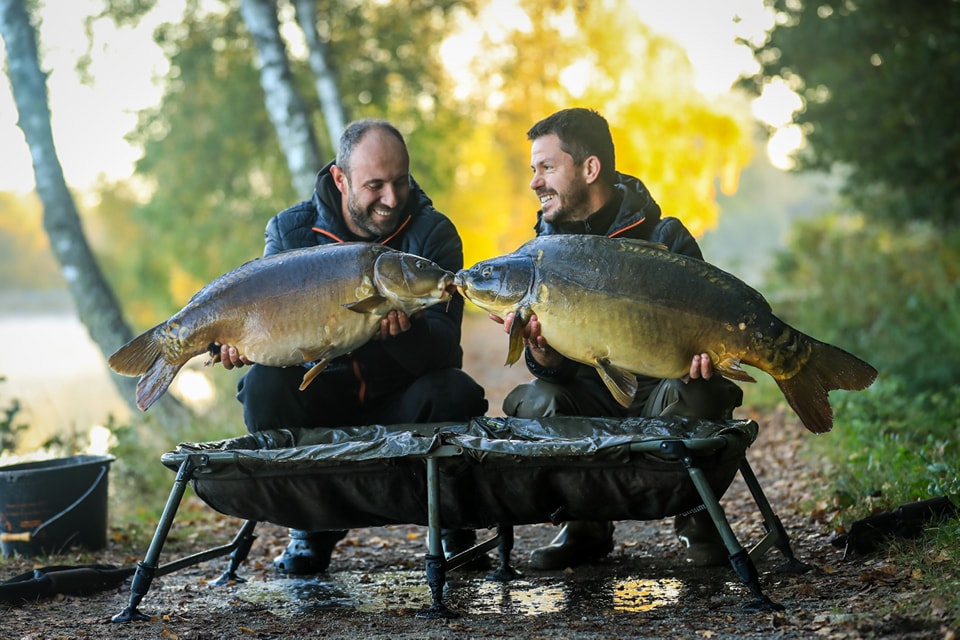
827	369
138	355
155	382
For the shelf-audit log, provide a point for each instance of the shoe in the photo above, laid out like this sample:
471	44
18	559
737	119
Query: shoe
703	546
577	543
456	541
308	552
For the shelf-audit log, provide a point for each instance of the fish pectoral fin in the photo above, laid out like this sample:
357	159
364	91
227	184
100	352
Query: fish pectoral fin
313	373
621	383
370	304
520	318
729	367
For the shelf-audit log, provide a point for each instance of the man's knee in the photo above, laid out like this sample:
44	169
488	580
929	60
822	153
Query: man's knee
266	394
713	399
448	394
535	399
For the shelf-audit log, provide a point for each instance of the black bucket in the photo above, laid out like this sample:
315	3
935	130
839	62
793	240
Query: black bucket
50	505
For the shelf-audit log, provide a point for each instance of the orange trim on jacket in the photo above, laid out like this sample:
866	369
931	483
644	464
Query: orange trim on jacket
388	239
627	228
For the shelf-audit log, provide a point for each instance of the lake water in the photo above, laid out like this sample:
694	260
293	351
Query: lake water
56	372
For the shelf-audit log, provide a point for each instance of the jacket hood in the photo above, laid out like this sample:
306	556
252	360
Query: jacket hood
637	206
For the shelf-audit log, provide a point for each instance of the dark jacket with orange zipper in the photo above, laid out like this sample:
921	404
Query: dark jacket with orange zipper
433	341
631	213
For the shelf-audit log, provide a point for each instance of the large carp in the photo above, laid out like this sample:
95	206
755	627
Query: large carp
290	308
631	307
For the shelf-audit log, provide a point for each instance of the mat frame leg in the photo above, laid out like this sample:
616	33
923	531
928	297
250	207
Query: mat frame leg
776	535
150	568
740	558
436	563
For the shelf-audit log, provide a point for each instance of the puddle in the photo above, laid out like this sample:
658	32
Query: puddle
408	590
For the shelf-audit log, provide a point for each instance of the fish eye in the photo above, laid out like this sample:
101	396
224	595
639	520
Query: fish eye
421	264
486	271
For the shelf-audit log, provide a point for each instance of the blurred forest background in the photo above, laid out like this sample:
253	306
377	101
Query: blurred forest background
857	244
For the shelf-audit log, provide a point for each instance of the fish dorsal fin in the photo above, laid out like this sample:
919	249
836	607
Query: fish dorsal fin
520	318
644	244
621	383
370	304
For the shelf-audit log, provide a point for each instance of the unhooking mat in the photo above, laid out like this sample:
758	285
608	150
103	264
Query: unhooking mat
492	471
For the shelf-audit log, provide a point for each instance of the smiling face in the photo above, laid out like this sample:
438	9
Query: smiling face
562	185
376	186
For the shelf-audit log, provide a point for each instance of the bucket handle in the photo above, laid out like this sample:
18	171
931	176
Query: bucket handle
26	536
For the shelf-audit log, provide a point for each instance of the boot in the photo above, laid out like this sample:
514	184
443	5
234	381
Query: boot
577	543
456	541
308	552
703	546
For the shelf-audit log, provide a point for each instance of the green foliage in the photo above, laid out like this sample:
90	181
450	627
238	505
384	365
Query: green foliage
887	295
10	428
893	446
871	77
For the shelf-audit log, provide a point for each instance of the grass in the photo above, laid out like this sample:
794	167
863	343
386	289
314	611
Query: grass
889	448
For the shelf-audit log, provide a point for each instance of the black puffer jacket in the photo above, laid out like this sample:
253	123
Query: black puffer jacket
433	342
631	213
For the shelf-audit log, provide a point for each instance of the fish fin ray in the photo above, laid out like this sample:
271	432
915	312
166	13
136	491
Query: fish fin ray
314	371
155	382
370	304
138	355
729	367
621	383
828	368
515	350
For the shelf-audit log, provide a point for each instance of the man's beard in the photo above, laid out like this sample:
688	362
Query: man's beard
367	220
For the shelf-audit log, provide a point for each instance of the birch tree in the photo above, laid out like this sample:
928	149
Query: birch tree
325	80
96	303
286	109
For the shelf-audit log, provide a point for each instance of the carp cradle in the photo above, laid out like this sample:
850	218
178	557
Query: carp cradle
482	474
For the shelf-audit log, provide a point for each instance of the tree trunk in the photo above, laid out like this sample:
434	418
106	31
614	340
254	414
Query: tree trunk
286	110
96	304
334	113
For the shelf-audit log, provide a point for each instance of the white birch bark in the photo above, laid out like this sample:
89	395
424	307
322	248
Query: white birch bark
286	110
334	113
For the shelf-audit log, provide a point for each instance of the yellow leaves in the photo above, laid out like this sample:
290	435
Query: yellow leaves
680	144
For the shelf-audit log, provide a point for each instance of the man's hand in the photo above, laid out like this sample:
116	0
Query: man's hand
700	367
230	357
392	324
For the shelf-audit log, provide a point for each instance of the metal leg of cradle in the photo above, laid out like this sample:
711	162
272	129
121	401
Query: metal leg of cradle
739	557
149	567
776	535
435	561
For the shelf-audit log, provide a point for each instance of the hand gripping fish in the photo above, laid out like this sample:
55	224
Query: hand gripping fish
630	307
291	308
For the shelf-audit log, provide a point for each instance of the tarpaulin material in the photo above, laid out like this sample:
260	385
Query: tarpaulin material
493	471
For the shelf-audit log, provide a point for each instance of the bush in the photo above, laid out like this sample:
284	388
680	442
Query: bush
888	296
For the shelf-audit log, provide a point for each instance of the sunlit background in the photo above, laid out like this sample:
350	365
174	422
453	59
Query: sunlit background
55	369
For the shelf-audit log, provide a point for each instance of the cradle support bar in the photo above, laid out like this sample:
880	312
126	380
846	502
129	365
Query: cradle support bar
739	557
147	568
436	564
776	534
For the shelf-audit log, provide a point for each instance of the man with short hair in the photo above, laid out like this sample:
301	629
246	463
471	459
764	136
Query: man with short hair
580	192
411	371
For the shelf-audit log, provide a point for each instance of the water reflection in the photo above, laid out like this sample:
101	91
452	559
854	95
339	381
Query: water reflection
408	590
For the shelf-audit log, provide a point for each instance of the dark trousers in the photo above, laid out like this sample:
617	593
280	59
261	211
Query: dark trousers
272	399
586	395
